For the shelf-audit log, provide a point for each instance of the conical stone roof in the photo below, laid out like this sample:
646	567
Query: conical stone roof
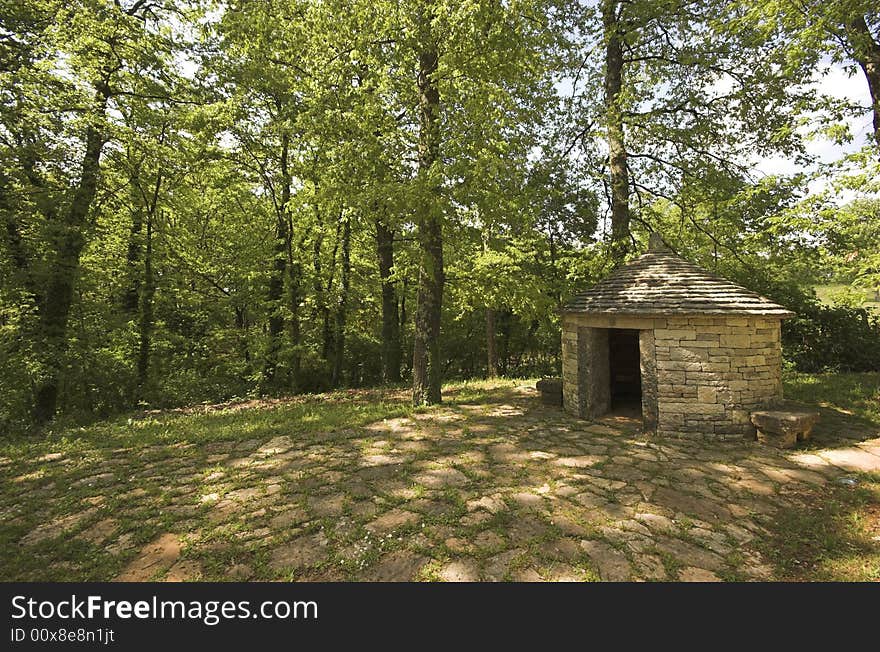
661	283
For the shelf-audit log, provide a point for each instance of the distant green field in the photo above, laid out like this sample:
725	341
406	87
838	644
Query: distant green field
835	293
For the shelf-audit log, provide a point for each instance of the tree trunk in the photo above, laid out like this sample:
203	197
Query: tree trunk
322	290
491	345
405	361
68	240
241	326
866	51
341	306
294	279
145	325
504	349
275	291
391	350
617	167
427	370
12	231
131	294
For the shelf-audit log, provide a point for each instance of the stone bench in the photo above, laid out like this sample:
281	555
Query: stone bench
551	390
783	428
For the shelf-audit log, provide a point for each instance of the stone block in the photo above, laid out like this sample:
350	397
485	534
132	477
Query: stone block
675	334
707	394
689	355
737	341
783	428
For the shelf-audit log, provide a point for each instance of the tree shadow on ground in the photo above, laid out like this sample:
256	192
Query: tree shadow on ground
491	485
828	533
837	428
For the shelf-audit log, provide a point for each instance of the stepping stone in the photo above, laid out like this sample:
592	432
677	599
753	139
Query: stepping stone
276	445
289	517
612	564
441	478
694	574
526	575
852	459
464	570
332	505
57	527
400	566
701	508
650	567
528	500
392	520
240	572
564	573
185	570
300	553
657	522
580	462
92	480
492	504
99	532
561	549
497	567
153	558
688	553
488	540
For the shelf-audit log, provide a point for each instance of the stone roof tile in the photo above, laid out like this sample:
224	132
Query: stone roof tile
661	283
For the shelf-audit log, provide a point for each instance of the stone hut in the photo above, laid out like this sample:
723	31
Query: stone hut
694	353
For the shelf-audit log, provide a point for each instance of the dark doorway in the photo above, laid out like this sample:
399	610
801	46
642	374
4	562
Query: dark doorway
625	372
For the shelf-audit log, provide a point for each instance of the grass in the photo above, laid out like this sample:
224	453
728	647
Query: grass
832	534
159	467
322	413
856	394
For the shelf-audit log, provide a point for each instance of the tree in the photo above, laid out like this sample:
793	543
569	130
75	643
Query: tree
845	31
80	59
678	98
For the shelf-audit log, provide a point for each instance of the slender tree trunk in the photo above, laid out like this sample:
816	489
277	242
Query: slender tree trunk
131	294
275	291
405	361
504	349
145	325
617	166
491	345
342	306
320	301
322	291
12	230
147	289
241	325
391	350
427	369
294	280
867	52
491	342
68	240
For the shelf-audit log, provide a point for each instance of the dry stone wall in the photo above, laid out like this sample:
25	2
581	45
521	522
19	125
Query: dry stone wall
701	376
713	371
585	371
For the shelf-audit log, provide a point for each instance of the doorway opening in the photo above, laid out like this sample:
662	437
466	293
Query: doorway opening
625	376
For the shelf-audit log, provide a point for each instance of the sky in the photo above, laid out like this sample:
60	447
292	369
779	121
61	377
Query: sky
835	82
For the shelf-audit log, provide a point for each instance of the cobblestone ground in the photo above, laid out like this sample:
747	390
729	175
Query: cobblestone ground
501	490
